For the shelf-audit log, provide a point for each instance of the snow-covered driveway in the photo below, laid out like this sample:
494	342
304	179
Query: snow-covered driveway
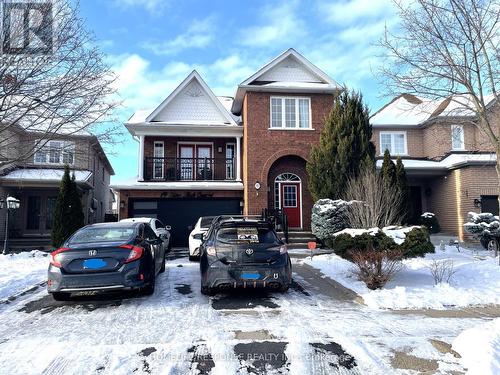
179	331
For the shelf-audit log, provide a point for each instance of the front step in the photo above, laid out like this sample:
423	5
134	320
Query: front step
299	238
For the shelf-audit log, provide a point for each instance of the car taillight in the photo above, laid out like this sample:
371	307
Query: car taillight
283	249
135	252
53	256
211	250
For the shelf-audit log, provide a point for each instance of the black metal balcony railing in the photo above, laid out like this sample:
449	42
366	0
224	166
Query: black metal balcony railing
189	169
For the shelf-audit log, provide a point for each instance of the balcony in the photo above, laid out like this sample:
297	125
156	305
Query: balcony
189	169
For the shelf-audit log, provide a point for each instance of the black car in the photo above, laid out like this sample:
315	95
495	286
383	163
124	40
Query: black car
241	252
104	257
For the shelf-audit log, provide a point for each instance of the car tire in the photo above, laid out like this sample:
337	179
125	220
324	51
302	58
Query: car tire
150	288
162	269
206	291
61	296
284	288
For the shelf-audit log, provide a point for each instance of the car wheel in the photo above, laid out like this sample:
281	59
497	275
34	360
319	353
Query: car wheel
492	246
61	296
150	288
162	269
208	291
284	288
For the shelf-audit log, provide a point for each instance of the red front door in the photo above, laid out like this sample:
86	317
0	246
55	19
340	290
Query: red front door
290	202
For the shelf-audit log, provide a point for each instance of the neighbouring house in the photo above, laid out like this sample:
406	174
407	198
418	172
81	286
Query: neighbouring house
200	154
35	180
449	162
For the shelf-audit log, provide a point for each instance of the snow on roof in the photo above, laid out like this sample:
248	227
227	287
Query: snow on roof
140	116
227	102
46	175
450	162
408	109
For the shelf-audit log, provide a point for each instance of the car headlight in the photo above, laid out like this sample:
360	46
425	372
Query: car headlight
211	250
283	249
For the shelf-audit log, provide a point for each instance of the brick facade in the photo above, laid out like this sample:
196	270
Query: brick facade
263	147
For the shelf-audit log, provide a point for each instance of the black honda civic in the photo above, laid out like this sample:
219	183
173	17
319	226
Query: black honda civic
105	257
243	253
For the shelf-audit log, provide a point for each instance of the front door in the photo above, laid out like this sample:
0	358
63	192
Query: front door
187	162
290	203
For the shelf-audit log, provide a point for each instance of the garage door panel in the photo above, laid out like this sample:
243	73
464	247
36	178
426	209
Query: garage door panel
181	214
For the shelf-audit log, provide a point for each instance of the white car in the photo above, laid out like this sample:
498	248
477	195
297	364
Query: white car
162	231
195	240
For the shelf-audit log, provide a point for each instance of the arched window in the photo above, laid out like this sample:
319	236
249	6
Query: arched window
284	177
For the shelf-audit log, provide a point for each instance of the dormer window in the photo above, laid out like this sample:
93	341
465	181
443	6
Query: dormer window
290	113
457	137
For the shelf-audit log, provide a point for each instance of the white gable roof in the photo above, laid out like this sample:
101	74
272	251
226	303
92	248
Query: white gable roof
192	102
290	66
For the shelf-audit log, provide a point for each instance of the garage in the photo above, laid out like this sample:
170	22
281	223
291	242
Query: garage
181	214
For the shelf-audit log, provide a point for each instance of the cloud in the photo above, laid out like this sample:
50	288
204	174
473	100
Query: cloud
280	23
198	35
346	12
152	6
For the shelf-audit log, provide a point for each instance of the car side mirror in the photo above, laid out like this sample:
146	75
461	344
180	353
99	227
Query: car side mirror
198	236
168	227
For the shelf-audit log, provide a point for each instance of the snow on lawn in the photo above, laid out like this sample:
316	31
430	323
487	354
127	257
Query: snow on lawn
19	272
478	347
476	281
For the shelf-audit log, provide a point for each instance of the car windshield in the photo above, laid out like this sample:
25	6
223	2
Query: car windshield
206	221
102	234
243	235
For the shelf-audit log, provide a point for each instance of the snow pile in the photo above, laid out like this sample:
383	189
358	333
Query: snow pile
329	216
19	272
478	347
398	234
483	224
476	281
427	215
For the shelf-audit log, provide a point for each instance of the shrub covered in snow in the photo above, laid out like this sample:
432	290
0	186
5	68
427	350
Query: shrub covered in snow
484	224
329	216
430	221
411	241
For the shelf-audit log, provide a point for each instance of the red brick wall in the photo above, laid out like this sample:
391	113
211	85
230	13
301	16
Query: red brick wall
264	146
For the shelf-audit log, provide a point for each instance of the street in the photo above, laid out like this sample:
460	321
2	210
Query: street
317	327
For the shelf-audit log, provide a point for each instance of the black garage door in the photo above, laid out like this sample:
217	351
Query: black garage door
181	214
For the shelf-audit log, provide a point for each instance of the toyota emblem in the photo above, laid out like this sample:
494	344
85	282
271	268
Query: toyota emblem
92	253
249	251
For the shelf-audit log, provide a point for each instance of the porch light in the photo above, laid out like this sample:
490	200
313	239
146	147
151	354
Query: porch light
2	203
13	203
477	203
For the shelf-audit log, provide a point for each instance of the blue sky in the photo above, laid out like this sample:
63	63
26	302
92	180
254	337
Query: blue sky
152	45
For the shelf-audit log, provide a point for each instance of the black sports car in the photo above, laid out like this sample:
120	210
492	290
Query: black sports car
107	256
241	252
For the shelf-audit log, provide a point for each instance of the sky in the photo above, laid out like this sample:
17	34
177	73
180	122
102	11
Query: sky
152	45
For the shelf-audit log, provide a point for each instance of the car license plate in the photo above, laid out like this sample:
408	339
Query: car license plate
250	275
94	264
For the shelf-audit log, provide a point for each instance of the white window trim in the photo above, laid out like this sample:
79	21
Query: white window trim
46	149
163	161
283	117
462	140
382	151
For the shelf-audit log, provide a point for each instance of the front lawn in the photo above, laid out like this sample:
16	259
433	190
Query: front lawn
476	281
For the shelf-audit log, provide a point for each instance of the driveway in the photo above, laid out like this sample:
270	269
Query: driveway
318	327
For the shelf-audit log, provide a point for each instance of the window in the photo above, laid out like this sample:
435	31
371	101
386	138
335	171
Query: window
457	137
290	113
230	153
289	196
159	152
395	142
55	152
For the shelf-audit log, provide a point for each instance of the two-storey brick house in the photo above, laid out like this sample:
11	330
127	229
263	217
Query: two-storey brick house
207	155
449	162
34	180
